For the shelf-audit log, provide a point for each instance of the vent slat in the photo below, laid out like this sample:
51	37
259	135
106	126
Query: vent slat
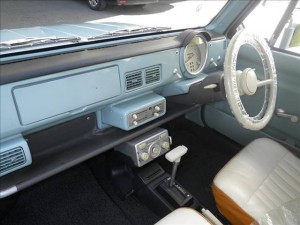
134	80
12	159
152	75
11	164
7	161
7	153
9	156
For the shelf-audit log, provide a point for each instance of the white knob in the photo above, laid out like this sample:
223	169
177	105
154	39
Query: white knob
134	116
175	72
165	145
144	156
212	61
156	114
176	154
155	151
135	123
157	108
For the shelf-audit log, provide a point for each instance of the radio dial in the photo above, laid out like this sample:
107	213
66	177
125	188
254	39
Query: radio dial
144	156
165	145
135	123
155	151
156	114
157	108
134	116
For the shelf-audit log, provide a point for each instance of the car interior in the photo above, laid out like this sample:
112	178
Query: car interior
188	126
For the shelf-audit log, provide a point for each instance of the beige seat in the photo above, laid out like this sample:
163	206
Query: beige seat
260	178
182	216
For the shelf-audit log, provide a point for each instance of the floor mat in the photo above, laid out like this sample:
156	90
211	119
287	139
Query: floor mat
72	197
136	211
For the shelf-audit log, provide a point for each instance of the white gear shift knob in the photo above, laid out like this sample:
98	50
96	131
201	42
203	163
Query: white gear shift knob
175	154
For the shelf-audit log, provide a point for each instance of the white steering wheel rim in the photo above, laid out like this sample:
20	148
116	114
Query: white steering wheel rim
259	121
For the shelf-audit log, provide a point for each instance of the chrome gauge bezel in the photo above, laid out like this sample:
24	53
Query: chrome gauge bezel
203	50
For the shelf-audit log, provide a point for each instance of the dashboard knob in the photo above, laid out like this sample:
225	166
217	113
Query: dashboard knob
157	108
175	72
134	116
144	156
155	151
156	114
165	145
135	123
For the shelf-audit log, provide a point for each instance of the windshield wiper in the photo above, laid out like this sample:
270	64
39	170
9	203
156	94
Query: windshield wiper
129	31
32	41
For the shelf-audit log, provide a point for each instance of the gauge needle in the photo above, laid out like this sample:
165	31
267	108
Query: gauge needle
191	55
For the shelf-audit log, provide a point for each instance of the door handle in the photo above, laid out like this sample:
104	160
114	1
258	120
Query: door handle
281	113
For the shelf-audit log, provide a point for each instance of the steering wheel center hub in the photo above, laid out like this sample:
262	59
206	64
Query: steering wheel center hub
247	82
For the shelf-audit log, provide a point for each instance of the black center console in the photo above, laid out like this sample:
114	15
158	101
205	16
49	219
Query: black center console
146	179
157	193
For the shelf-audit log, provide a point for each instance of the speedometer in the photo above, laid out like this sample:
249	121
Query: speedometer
194	56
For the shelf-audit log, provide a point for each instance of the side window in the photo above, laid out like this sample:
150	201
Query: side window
264	19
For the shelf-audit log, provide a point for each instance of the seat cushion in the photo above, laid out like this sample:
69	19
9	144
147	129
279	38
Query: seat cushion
261	177
183	216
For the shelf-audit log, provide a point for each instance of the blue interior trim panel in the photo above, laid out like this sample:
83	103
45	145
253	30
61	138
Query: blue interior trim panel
73	94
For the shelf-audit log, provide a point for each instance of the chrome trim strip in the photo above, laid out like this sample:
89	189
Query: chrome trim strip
8	192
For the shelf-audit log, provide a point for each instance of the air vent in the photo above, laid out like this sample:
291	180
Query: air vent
152	74
134	80
12	159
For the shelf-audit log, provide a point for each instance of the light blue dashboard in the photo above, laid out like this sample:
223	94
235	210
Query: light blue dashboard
38	96
30	105
36	103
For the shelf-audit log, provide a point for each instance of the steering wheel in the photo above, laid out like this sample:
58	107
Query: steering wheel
238	83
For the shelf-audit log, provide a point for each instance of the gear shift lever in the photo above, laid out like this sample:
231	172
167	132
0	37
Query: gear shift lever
170	190
174	156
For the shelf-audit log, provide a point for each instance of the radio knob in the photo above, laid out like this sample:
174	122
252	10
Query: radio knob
144	156
156	114
142	146
135	123
157	108
134	116
165	145
155	151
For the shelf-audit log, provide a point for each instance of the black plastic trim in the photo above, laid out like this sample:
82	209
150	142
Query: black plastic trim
198	94
63	155
48	65
37	67
83	44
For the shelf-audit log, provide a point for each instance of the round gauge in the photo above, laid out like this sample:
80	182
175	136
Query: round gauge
194	56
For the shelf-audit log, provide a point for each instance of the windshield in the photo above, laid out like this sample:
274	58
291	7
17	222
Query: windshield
34	24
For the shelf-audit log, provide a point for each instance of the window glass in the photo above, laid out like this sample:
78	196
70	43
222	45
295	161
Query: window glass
38	23
265	18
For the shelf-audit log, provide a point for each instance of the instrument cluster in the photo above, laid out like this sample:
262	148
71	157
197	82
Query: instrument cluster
194	56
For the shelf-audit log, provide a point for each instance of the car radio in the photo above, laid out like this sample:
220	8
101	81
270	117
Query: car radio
134	112
146	147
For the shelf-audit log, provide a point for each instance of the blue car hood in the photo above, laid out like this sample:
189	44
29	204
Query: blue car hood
82	31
